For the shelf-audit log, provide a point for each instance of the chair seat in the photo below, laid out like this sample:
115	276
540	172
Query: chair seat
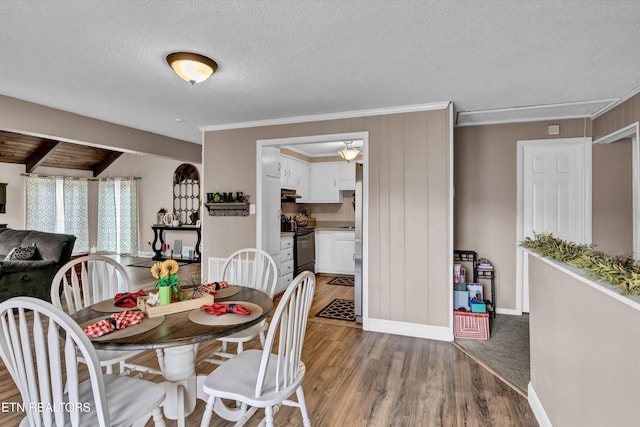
236	380
126	397
246	334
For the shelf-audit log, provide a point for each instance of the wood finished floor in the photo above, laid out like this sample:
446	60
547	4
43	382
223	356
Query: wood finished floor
367	379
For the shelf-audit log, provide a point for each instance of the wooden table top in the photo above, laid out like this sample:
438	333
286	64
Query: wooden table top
177	329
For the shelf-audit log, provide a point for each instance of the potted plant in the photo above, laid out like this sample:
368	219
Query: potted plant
167	281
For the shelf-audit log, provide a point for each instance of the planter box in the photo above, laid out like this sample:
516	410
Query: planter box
174	307
474	326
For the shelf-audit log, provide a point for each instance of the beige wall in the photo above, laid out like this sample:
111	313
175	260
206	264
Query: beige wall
612	197
25	117
622	115
409	246
155	191
485	178
584	348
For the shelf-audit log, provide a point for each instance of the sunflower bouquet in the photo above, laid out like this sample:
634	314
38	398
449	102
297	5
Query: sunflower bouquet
165	274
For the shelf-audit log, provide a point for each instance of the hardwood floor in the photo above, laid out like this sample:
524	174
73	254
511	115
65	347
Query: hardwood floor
360	378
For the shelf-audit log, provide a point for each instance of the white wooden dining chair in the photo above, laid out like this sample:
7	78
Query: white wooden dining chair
253	268
267	378
87	280
39	345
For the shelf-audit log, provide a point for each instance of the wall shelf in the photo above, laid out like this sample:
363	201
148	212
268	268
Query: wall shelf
228	209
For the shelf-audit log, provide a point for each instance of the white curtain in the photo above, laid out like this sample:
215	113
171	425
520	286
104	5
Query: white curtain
128	216
118	216
40	210
76	211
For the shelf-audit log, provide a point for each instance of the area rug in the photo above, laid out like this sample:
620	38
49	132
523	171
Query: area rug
507	351
339	309
149	264
342	281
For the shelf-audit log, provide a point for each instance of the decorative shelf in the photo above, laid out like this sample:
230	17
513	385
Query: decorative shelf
228	209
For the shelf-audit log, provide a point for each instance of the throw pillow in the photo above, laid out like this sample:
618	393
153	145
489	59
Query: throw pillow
22	253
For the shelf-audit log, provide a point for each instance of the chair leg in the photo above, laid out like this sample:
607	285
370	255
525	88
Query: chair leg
268	416
303	407
262	339
208	412
240	348
158	418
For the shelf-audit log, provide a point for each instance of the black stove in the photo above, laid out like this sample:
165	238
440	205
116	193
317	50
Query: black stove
304	250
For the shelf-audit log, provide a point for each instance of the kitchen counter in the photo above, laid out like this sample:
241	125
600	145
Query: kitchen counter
335	226
287	233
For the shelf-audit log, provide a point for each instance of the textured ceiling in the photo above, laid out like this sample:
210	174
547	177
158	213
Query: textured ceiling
282	59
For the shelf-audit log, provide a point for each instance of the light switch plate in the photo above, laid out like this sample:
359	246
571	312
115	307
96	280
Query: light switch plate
252	209
553	129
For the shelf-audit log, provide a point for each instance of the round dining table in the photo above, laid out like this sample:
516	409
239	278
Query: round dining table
178	338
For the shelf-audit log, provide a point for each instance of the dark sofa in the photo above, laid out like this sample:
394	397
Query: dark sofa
32	277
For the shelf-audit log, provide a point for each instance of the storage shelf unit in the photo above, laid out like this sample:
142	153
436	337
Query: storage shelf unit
472	257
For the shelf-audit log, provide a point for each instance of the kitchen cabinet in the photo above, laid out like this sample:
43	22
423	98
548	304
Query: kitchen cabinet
324	251
323	183
271	162
294	174
286	264
335	251
270	203
346	176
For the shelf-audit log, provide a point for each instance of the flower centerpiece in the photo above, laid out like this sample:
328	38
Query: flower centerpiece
167	281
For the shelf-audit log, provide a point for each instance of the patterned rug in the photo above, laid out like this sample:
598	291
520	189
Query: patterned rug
339	309
343	281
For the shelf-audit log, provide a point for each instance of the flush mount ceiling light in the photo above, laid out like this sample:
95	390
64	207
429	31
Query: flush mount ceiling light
347	152
192	67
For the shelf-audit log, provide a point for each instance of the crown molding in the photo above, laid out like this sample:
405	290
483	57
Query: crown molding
619	101
533	113
328	116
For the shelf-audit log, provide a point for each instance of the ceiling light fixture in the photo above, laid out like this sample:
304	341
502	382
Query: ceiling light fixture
192	67
348	153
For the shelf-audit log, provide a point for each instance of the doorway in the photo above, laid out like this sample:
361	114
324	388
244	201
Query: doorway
553	196
268	214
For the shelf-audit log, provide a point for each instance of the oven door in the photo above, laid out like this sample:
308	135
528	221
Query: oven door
305	252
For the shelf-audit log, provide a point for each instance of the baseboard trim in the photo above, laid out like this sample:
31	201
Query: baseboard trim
509	311
439	333
537	408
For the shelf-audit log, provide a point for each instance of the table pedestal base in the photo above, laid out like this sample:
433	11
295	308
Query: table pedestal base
180	382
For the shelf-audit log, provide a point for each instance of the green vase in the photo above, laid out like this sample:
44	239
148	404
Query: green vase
164	296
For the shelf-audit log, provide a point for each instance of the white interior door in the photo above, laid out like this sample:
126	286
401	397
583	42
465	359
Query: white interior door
554	194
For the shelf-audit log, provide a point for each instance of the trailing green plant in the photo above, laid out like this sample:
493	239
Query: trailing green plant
622	271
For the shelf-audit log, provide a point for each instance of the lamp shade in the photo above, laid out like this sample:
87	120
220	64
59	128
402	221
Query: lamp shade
348	153
192	67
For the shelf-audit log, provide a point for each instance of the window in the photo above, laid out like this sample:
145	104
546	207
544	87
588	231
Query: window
59	205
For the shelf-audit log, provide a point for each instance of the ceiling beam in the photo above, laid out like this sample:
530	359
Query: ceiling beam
45	148
100	167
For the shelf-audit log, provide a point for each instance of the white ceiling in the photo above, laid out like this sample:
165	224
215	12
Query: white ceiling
282	59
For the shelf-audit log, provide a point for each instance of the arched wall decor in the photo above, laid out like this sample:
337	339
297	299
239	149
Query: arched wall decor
186	194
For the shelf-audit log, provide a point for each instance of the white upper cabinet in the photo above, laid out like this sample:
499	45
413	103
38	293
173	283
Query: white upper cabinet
271	162
346	176
302	181
323	183
294	174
